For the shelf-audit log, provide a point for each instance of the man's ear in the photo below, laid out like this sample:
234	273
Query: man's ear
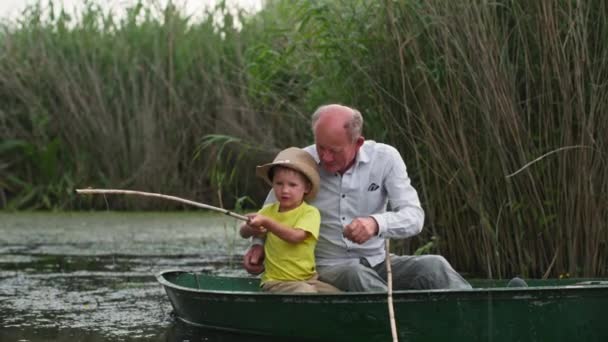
359	142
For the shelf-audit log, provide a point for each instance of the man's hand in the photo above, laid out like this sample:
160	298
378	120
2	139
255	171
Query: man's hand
361	229
253	261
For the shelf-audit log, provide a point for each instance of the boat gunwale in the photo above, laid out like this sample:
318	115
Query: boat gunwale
402	293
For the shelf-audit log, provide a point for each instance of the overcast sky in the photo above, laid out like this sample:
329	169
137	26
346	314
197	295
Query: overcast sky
12	8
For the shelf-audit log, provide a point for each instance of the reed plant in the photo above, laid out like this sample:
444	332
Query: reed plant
497	108
508	118
127	99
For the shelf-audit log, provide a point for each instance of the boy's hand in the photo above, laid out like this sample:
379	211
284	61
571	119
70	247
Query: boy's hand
256	222
248	229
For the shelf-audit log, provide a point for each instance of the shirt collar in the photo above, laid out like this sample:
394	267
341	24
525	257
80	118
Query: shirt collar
363	154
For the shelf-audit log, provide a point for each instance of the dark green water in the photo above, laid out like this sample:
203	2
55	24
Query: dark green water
90	276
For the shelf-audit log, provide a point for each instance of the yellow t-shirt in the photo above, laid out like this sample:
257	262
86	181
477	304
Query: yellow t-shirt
286	261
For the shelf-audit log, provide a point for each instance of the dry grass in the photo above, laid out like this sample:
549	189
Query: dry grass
498	108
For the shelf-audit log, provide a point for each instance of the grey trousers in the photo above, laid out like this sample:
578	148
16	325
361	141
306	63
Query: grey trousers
409	273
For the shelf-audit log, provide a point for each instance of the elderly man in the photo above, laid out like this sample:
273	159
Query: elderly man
359	179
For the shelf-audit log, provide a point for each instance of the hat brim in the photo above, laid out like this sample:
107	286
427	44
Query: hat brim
263	171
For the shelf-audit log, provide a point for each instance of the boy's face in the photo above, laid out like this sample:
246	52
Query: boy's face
289	187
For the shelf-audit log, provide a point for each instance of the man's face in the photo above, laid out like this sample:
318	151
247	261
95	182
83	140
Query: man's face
336	150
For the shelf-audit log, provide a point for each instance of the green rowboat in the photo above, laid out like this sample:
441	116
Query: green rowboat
552	310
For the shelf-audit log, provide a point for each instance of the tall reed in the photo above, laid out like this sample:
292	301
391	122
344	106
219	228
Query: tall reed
127	101
496	107
484	88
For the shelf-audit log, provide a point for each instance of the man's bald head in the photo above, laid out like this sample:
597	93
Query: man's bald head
336	117
337	131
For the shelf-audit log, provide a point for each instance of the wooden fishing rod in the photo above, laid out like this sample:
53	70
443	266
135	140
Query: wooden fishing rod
171	198
391	310
389	283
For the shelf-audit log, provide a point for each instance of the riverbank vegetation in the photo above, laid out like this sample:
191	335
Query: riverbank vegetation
497	107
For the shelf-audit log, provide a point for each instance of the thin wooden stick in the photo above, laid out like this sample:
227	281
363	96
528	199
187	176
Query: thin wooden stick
172	198
545	155
546	275
389	282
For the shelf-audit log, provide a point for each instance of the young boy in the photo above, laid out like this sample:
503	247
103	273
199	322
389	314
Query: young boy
291	225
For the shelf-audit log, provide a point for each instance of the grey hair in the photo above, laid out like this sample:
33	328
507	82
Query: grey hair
353	127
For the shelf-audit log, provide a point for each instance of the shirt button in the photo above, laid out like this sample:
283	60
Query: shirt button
343	195
344	218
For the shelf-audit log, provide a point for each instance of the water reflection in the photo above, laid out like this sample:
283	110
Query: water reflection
175	332
90	276
181	332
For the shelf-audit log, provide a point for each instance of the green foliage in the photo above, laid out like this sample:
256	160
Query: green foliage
469	92
224	154
128	98
34	175
426	248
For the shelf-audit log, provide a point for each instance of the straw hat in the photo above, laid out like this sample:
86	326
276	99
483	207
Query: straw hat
296	159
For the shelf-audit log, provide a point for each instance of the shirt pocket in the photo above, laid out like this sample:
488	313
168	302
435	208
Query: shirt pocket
374	198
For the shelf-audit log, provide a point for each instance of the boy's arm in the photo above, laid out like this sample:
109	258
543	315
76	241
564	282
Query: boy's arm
284	232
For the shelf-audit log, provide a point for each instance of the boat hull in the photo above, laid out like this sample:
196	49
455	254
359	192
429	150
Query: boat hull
536	313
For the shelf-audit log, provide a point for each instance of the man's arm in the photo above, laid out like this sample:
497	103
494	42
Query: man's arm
406	217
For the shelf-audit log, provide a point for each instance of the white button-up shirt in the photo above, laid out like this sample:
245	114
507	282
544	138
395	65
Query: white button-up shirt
376	181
